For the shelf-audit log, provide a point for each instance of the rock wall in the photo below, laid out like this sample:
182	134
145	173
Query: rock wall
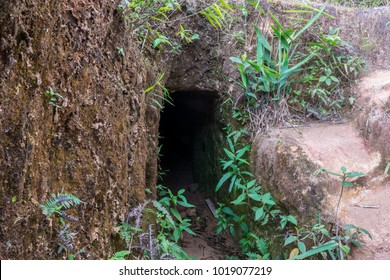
99	144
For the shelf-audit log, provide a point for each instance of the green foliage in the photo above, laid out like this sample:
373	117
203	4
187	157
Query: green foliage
322	243
59	202
216	13
187	35
249	206
121	51
159	93
323	82
53	97
269	74
288	72
151	20
160	239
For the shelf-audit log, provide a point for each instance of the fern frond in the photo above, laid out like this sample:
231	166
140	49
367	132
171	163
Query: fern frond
58	202
164	211
262	246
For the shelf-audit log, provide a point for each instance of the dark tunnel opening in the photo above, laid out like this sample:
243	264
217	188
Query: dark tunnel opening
184	129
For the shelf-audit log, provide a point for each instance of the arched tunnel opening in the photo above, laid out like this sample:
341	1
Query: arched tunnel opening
187	141
190	141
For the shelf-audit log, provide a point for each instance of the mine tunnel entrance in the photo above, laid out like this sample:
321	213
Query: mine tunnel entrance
186	129
191	138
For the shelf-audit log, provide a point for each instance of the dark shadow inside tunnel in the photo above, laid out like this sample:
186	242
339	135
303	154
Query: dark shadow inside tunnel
184	129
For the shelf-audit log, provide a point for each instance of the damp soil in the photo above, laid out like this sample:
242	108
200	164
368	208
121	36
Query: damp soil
206	245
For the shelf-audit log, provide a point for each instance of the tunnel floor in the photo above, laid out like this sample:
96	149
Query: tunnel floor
180	125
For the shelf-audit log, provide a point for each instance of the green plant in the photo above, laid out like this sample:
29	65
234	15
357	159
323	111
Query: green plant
249	206
345	183
151	20
57	205
158	240
159	93
121	51
323	84
216	13
171	201
53	97
187	35
318	242
343	249
269	74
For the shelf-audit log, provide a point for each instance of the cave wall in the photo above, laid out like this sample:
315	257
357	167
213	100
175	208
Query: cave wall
100	145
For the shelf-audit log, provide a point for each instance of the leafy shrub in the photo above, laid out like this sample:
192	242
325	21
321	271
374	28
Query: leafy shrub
160	239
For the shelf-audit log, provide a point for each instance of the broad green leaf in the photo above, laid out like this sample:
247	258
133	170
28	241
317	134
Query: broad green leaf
239	199
229	153
347	184
259	213
244	227
365	231
187	229
231	146
255	196
176	214
176	234
232	182
181	191
185	204
354	174
251	183
236	59
290	240
228	211
322	248
228	164
223	180
302	247
292	219
309	23
268	199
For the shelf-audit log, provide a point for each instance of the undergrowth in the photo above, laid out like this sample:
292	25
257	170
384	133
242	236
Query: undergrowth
158	239
251	215
291	79
160	24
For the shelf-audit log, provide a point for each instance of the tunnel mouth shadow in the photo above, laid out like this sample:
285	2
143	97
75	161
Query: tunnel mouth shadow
182	127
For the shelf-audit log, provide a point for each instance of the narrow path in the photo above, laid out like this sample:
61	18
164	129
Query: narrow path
207	245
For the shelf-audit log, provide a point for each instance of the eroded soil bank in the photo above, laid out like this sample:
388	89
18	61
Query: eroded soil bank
101	142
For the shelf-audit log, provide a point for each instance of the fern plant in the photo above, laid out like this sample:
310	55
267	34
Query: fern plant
60	202
57	205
